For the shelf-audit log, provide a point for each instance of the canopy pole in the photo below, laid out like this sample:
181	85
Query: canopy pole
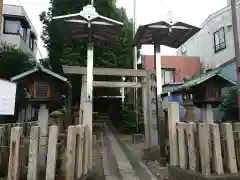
88	101
89	94
92	2
135	66
159	108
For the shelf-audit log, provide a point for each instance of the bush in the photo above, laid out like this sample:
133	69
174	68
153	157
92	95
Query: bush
128	119
229	104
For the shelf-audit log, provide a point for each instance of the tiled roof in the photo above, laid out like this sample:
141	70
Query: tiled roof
39	68
202	78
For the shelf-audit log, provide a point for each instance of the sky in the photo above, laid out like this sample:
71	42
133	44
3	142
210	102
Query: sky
190	11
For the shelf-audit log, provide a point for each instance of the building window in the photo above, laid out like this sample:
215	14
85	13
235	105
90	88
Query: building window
23	32
14	26
11	26
41	90
167	76
219	40
31	42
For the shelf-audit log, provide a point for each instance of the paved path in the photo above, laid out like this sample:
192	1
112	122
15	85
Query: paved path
117	163
125	168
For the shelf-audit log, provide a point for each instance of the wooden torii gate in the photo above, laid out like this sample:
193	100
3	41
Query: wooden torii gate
147	83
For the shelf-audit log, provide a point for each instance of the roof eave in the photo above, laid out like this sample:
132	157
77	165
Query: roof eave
24	74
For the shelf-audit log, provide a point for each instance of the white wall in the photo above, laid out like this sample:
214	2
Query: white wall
11	39
17	39
202	44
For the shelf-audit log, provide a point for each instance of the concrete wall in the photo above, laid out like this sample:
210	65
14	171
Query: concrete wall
202	44
17	39
229	71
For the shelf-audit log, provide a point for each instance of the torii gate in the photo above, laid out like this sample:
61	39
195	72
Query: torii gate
88	24
147	83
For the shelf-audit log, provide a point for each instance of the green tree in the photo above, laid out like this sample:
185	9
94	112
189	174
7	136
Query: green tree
45	63
229	104
13	61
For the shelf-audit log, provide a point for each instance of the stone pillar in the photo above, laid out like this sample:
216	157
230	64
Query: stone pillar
190	115
32	113
28	112
23	115
145	114
209	114
19	115
203	115
43	117
152	114
173	118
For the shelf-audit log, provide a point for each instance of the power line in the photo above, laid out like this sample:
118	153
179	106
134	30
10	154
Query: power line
161	2
39	50
19	3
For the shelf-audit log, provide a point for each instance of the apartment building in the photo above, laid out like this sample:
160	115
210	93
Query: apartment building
214	43
17	29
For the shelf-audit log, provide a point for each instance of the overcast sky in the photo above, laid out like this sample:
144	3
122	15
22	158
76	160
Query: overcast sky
190	11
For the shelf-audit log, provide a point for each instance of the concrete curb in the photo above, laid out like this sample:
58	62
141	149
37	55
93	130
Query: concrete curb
125	168
140	168
107	156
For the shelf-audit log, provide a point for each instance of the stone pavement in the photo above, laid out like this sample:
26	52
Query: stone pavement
125	168
116	158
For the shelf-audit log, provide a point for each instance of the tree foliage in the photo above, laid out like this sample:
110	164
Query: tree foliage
13	61
229	104
117	55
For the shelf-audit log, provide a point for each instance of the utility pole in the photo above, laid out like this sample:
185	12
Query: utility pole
237	49
135	63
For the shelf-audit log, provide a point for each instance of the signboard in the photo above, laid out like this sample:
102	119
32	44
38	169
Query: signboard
7	97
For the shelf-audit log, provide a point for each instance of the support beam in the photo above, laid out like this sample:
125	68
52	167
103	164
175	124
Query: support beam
106	71
112	84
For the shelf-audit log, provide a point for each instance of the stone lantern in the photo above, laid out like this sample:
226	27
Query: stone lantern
187	102
57	118
204	92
